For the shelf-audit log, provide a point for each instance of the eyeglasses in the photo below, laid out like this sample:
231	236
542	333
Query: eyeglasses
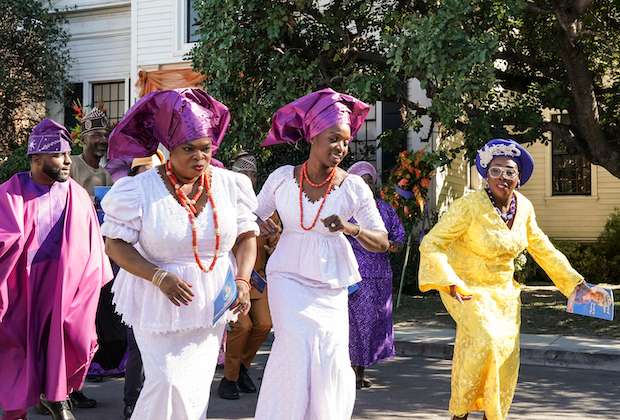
508	173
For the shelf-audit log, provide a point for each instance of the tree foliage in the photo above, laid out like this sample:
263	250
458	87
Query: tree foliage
33	65
260	55
491	67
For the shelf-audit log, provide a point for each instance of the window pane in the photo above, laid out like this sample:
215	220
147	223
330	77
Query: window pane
571	172
191	22
364	145
112	97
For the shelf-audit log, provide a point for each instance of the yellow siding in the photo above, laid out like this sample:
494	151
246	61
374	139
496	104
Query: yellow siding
455	181
570	217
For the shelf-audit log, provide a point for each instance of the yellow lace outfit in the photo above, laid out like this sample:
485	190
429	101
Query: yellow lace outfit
473	248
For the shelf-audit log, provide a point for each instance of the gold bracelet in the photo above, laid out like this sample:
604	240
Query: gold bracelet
155	279
359	230
159	277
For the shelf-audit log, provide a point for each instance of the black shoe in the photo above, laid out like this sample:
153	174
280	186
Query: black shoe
79	400
245	383
228	390
59	410
128	411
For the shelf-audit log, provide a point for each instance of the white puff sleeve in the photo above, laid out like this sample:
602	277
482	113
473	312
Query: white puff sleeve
246	205
365	209
267	194
122	206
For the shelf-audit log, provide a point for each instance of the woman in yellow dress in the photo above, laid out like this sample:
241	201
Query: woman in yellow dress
469	258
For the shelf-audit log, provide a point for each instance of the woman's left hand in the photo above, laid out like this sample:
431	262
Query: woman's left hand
243	304
335	224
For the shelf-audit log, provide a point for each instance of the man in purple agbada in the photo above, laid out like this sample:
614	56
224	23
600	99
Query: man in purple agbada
52	267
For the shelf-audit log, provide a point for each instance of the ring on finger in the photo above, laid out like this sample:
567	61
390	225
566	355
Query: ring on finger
332	225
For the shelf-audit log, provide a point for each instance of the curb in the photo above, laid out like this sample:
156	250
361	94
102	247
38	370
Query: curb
529	356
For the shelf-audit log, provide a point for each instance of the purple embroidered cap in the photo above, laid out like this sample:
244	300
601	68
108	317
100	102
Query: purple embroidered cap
314	113
49	137
170	117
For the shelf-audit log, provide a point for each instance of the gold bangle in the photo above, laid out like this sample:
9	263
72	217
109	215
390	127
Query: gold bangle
159	277
359	230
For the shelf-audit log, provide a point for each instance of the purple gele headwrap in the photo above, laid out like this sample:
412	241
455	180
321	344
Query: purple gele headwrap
363	168
170	117
49	137
308	116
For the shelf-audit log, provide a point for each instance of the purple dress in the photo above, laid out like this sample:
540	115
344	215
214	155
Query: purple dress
371	334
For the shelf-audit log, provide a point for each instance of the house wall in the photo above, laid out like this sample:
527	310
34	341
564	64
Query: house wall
87	4
579	218
158	36
454	177
100	48
99	45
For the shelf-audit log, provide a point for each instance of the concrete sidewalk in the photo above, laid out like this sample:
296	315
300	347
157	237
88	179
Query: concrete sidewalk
540	350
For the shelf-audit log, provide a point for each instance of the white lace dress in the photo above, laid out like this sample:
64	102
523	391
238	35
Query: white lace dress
179	345
309	375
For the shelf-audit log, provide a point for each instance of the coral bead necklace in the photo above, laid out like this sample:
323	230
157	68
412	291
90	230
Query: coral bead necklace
303	176
190	206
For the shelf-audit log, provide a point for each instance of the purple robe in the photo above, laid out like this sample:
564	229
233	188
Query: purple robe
52	267
371	333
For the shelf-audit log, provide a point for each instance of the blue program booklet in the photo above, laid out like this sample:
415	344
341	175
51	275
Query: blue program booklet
226	297
353	288
258	282
100	192
584	302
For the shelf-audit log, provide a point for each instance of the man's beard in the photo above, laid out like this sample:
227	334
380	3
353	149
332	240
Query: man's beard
54	173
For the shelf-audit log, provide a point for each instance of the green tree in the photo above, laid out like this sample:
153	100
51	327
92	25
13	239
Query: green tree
259	55
490	67
493	67
33	65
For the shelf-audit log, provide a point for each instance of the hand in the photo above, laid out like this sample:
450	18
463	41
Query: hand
269	249
456	295
594	294
242	305
335	224
270	243
176	289
268	228
395	247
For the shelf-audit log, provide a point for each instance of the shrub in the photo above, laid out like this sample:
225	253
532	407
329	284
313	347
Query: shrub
17	161
598	262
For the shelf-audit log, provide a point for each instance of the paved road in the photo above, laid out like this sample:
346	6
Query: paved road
416	388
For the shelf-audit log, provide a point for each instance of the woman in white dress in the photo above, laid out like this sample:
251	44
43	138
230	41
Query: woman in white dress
171	229
309	375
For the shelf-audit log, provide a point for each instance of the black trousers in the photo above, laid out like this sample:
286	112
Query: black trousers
134	373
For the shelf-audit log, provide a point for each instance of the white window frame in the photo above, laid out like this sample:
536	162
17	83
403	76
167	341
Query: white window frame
182	47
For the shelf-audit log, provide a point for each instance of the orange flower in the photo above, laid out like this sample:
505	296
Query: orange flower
403	183
425	182
418	156
417	172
